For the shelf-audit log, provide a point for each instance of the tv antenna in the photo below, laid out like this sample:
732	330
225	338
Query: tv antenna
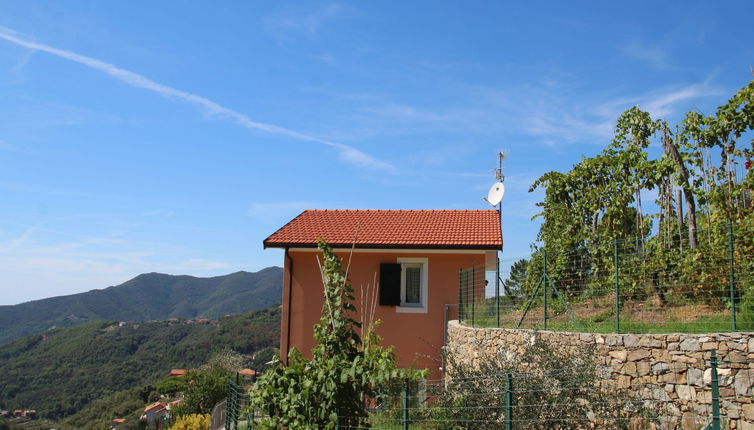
495	196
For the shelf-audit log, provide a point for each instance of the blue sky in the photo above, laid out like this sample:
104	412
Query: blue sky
175	137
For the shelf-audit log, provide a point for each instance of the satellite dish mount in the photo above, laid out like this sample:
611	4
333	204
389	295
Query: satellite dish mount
497	191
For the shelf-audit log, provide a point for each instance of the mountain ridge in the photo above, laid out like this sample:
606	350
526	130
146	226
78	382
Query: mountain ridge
147	297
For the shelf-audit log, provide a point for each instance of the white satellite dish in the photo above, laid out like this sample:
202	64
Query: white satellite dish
495	196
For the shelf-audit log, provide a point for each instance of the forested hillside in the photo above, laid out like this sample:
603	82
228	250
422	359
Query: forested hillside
151	296
61	371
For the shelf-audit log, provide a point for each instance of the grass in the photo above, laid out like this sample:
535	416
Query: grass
597	315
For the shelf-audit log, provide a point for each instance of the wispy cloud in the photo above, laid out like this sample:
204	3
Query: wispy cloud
4	146
159	213
652	55
664	104
346	153
307	22
61	262
18	68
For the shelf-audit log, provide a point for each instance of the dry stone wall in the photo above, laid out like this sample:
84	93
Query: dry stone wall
670	372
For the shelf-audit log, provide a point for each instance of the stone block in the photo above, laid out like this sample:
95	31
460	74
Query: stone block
630	341
686	392
659	394
682	358
739	345
623	381
695	377
743	382
689	420
673	346
727	392
747	412
724	377
614	340
648	342
638	354
629	369
643	368
709	346
689	344
751	344
660	368
736	357
619	355
673	378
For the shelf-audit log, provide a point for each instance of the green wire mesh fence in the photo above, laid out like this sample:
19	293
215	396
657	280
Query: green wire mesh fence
656	285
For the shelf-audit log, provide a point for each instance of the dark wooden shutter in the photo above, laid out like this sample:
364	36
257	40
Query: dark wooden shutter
390	284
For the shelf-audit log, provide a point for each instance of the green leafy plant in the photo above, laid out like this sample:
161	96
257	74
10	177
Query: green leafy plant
331	388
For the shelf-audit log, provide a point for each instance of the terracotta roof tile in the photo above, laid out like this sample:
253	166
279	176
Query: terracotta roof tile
431	229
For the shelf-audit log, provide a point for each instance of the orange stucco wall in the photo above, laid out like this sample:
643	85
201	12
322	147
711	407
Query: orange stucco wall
417	337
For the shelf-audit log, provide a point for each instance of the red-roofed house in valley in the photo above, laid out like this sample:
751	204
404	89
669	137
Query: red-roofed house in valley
410	259
177	372
116	422
154	412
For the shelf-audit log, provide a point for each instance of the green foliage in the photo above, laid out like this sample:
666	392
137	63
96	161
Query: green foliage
550	388
147	297
330	388
60	372
170	386
204	388
98	413
597	206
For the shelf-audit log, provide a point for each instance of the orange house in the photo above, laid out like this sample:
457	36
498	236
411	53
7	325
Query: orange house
404	265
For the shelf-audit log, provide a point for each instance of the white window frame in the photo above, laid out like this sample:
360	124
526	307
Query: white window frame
420	308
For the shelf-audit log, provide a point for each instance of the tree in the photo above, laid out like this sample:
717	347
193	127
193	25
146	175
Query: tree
331	387
209	384
515	284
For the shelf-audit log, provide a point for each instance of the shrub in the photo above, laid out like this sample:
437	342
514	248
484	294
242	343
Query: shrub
192	422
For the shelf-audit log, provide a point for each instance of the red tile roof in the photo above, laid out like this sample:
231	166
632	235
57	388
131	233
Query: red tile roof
157	406
427	229
248	372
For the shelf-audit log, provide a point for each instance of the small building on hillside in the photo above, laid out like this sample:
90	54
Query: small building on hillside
177	373
407	260
154	413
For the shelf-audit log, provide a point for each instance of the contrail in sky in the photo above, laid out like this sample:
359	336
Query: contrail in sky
346	153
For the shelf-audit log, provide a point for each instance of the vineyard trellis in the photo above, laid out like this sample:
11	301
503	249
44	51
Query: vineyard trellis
635	290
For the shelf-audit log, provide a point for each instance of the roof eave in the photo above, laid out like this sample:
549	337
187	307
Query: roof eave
486	247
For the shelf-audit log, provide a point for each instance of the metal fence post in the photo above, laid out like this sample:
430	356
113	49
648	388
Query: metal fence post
715	393
617	286
508	401
732	282
545	290
497	290
460	296
405	406
473	294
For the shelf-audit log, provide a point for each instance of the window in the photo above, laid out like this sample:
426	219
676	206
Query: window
414	291
404	285
411	277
